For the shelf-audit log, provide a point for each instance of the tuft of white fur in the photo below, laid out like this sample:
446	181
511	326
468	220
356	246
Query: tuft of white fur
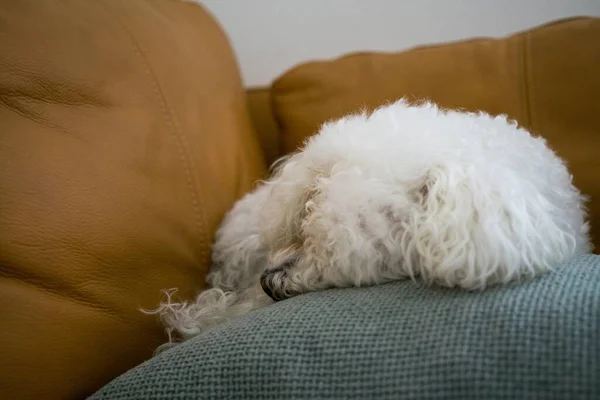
453	198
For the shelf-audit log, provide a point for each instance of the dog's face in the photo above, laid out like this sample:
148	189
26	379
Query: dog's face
335	209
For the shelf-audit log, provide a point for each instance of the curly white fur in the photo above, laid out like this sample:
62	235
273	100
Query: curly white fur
459	199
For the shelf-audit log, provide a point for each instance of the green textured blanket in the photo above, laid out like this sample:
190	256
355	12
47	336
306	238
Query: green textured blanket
538	340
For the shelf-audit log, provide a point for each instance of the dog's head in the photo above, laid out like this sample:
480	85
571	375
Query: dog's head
337	203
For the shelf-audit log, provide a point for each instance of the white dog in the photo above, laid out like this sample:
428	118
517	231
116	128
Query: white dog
459	199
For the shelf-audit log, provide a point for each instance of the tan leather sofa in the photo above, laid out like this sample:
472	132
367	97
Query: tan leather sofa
125	135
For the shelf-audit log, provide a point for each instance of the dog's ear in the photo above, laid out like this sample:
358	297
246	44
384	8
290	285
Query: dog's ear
286	206
443	223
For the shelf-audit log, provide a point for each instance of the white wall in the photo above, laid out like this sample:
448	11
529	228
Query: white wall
270	36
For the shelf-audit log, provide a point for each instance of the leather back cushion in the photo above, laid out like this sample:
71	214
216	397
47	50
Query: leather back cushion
546	78
124	138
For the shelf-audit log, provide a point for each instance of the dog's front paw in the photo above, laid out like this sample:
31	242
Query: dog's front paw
276	282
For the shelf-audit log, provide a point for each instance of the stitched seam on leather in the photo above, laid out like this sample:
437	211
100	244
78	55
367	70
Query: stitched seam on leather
179	140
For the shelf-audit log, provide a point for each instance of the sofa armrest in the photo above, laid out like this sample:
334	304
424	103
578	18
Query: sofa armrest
124	138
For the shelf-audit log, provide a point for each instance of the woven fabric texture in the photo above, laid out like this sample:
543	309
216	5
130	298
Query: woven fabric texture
403	340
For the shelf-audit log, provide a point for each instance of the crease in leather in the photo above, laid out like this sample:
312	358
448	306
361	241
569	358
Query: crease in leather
27	112
47	282
179	139
56	92
62	292
239	162
27	102
525	81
